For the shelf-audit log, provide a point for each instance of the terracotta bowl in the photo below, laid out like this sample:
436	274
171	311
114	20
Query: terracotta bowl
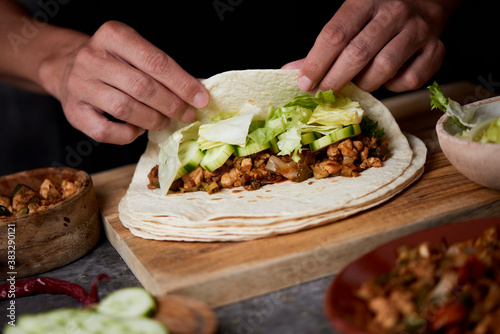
53	237
480	162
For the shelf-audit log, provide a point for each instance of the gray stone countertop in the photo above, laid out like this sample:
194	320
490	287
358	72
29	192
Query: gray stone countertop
298	309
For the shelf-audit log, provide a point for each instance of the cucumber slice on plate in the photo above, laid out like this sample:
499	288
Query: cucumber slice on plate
55	321
251	148
48	322
190	156
144	326
216	157
335	136
84	321
98	323
121	312
128	302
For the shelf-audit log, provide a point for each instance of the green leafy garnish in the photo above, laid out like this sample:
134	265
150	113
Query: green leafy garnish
438	100
370	128
441	102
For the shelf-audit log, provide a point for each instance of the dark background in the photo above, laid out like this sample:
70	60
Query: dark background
241	34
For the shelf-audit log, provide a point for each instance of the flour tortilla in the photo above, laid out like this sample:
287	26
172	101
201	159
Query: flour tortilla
238	214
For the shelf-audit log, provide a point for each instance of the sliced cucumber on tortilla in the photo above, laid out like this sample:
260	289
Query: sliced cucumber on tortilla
320	143
308	137
128	302
251	148
190	157
216	157
335	136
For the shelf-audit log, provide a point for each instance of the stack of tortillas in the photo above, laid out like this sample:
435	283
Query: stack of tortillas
238	214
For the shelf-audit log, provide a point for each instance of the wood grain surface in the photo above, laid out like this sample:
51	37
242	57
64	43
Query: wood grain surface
184	315
221	273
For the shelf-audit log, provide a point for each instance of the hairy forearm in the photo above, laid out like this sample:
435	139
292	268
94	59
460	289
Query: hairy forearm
26	45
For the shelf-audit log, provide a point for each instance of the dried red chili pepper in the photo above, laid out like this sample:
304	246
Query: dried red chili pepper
47	285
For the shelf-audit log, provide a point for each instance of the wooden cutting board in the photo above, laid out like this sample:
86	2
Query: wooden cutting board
221	273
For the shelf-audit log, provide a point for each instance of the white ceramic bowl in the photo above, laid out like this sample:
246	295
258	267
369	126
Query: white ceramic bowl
480	162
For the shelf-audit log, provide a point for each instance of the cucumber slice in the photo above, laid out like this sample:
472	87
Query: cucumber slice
128	302
216	157
320	143
308	138
13	330
48	322
144	326
190	157
83	321
335	136
121	312
32	324
250	148
92	322
346	132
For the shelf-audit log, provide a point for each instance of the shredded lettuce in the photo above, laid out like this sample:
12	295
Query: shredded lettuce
321	129
273	126
231	131
168	160
222	116
323	113
441	102
343	112
465	117
492	134
205	144
290	142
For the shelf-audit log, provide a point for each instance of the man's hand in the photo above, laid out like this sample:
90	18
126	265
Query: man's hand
118	72
377	42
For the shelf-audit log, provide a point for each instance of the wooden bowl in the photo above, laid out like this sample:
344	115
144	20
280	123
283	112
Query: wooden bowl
479	162
49	238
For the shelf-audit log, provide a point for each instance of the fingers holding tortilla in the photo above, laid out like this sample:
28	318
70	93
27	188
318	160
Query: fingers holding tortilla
370	45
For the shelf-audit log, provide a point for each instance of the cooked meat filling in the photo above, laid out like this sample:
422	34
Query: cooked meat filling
346	158
438	288
25	200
